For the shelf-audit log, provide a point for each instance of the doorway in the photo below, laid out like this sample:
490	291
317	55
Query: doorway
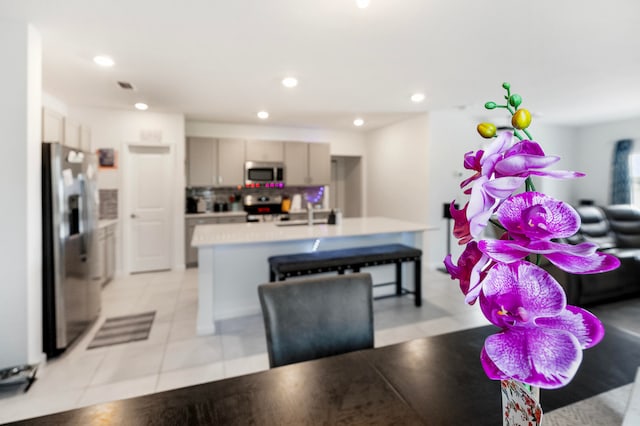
147	210
346	185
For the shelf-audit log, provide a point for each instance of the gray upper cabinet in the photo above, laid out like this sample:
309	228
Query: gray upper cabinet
296	163
52	126
231	155
202	169
58	128
307	163
258	150
72	136
85	138
215	162
319	164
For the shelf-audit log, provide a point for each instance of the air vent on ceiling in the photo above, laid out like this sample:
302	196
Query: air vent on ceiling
125	85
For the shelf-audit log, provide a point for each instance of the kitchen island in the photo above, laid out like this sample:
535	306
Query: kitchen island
232	258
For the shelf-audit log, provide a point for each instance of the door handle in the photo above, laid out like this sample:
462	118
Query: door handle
133	215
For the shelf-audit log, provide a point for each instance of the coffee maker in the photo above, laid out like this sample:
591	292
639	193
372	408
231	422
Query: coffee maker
192	204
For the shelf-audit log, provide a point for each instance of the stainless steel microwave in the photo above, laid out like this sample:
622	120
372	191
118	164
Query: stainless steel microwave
263	174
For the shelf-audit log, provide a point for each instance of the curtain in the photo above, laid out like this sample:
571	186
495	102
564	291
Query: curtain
621	176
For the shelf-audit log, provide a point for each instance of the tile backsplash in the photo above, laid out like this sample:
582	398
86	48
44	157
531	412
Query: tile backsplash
314	194
108	204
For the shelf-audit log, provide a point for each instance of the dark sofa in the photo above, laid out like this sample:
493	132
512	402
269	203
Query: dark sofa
616	230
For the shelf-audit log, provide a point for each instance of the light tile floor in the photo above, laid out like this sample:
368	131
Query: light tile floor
174	356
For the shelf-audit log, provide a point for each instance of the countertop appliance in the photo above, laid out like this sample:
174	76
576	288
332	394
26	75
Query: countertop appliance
263	174
201	205
259	206
220	206
192	205
71	283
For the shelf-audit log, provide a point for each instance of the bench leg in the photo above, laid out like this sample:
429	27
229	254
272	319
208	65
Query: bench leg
418	282
272	276
398	278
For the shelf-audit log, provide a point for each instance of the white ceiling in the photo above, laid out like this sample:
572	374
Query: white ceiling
573	61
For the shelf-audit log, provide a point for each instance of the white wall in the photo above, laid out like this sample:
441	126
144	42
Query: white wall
451	134
397	174
20	186
560	141
416	166
594	156
397	165
116	128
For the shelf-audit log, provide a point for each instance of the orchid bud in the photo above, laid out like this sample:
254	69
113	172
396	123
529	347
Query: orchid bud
490	105
521	119
515	100
487	130
506	85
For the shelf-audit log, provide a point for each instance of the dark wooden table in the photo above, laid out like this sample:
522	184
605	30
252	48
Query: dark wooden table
431	381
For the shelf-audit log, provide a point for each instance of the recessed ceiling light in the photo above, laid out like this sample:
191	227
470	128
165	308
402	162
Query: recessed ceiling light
362	4
103	61
290	82
141	106
263	115
358	122
417	97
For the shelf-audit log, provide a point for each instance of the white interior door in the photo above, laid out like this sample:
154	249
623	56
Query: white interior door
149	202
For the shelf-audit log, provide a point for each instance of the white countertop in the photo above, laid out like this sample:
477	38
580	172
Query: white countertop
246	233
106	222
214	214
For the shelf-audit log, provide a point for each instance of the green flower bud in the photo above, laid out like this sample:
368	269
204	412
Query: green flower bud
515	100
490	105
506	85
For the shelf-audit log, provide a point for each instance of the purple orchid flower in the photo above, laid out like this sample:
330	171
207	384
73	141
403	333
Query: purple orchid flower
526	158
532	219
460	223
499	172
482	203
469	271
542	337
483	162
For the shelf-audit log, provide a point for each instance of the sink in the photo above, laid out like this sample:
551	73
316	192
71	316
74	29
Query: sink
301	222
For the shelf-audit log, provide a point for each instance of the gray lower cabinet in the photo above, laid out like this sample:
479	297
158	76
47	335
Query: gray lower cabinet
105	256
99	267
191	253
110	253
317	215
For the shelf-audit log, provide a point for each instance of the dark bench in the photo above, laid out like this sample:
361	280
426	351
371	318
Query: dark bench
352	259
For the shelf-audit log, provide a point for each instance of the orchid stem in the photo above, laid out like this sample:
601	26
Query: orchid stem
529	186
497	224
527	133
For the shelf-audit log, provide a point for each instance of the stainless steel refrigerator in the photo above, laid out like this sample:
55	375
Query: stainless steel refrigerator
71	291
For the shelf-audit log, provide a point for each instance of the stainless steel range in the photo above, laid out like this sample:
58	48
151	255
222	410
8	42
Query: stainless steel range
263	207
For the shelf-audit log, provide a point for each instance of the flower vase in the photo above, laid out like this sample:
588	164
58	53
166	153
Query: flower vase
520	404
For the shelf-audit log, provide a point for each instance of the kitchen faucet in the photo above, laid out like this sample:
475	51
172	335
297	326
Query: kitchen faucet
309	213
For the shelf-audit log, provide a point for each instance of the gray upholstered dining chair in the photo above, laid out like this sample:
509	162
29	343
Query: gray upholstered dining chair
316	317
